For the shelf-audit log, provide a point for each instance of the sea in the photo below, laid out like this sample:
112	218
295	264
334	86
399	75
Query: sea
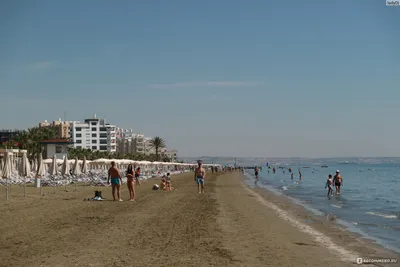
369	203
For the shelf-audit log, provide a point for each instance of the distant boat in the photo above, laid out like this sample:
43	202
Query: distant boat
324	166
306	167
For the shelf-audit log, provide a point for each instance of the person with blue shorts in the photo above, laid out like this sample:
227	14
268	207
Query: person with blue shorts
116	180
199	175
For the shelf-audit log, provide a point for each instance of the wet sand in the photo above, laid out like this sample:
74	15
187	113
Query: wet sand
229	225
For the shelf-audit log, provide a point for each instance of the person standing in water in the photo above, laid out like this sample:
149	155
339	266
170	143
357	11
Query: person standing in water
199	175
291	176
329	184
116	180
130	183
338	180
256	172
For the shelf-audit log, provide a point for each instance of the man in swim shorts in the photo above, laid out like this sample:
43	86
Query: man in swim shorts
116	180
338	180
199	175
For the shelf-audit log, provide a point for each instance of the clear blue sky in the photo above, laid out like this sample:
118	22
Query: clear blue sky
220	78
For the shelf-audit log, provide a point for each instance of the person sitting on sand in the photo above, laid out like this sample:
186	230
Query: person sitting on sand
116	180
130	182
163	184
168	180
199	175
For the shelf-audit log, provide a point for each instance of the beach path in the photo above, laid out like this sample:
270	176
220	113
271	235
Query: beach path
226	226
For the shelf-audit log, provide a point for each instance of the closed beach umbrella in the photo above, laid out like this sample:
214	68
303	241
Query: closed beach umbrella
40	170
24	169
65	167
84	165
1	166
7	171
34	164
76	170
54	167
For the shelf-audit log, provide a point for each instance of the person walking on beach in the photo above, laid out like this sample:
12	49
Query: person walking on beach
116	180
256	172
329	184
130	183
199	175
338	180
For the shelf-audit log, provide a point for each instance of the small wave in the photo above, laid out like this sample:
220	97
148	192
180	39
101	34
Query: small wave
336	206
284	188
387	216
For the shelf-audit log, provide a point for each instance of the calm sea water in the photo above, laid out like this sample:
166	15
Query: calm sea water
370	199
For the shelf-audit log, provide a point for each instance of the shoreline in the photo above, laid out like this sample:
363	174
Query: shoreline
340	234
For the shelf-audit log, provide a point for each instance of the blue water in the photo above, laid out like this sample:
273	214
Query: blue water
369	202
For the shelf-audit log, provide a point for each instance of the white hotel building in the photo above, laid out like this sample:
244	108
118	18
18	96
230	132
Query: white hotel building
94	134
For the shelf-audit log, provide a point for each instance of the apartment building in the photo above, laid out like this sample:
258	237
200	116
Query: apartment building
125	141
63	127
129	142
171	154
94	134
138	143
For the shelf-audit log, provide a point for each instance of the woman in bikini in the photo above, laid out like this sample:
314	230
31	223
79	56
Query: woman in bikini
130	182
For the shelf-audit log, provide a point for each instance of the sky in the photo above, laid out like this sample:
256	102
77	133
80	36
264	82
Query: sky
213	78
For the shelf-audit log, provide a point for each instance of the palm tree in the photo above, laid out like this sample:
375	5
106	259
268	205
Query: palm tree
157	143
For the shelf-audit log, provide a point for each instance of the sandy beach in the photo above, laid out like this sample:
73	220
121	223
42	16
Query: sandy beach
229	225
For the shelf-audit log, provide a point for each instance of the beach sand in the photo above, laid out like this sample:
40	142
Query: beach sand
229	225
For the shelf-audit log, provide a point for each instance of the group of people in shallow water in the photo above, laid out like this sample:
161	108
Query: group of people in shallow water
336	180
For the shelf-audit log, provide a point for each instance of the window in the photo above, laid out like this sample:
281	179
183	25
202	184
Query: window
103	129
94	129
78	129
94	123
78	146
78	141
58	149
78	135
94	147
103	147
94	141
103	141
103	135
94	135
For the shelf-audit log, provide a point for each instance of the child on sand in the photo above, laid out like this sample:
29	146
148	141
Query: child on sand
329	184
